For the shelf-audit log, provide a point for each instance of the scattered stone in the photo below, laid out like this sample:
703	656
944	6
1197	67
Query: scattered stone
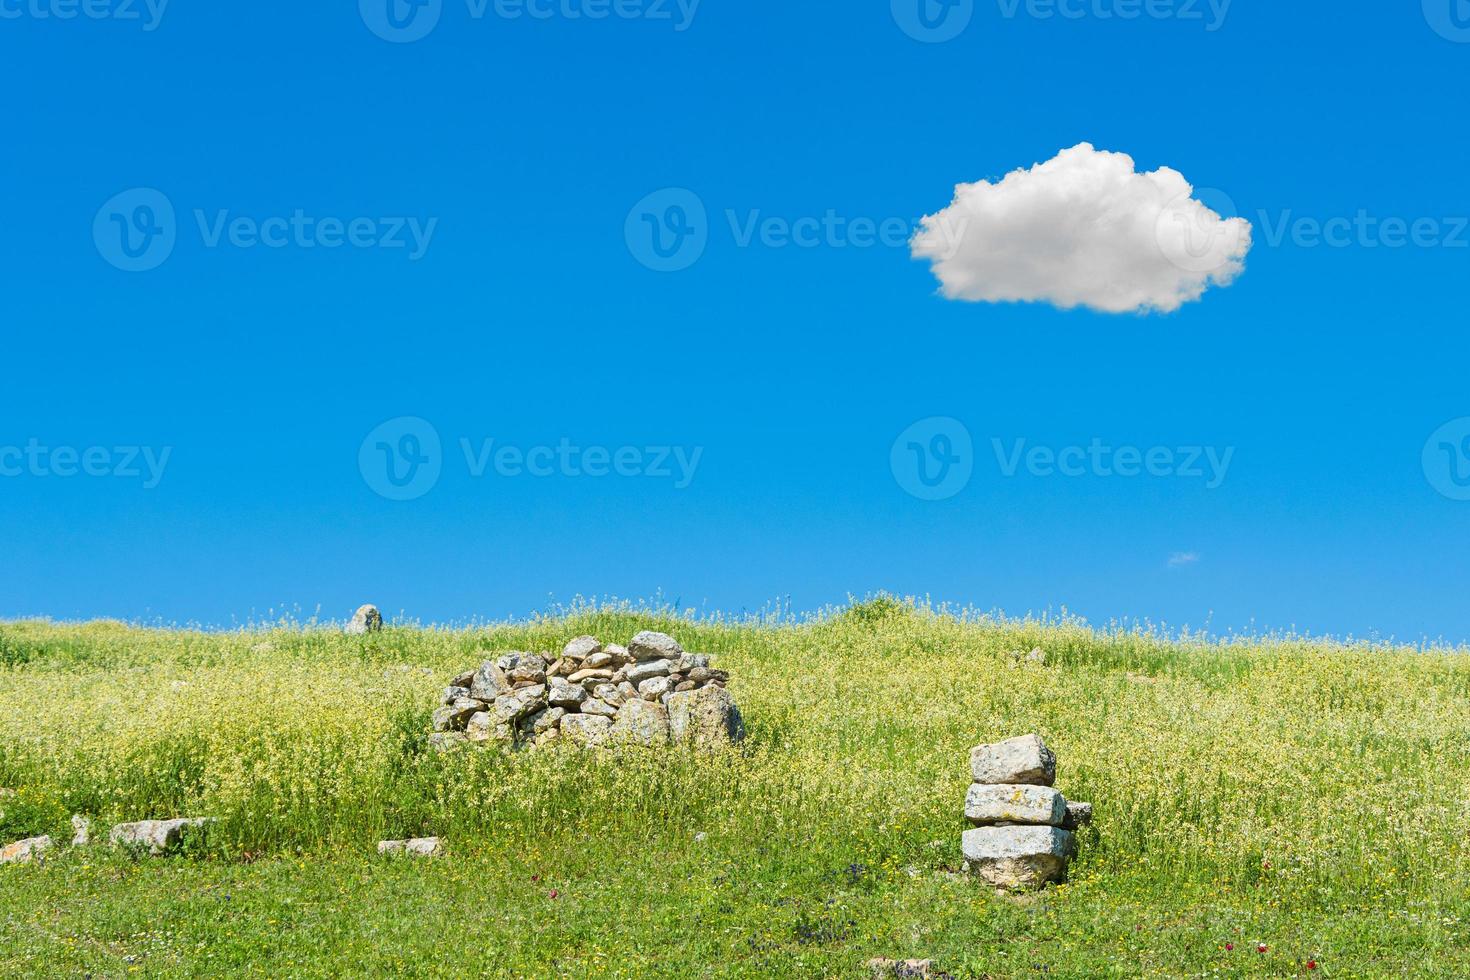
609	693
527	673
617	650
463	680
1017	857
587	675
648	645
545	720
581	648
1078	815
692	661
686	686
906	969
157	836
1016	760
25	851
599	660
453	693
706	717
366	620
1017	804
416	847
628	691
81	830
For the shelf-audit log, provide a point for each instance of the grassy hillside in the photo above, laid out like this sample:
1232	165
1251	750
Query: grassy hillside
1306	796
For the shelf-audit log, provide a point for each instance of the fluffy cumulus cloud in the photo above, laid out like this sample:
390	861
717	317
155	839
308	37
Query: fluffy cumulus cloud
1083	229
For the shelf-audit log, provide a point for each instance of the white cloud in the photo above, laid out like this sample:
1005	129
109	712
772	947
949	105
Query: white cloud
1179	559
1083	229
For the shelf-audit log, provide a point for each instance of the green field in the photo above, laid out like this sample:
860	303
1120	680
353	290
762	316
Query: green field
1308	796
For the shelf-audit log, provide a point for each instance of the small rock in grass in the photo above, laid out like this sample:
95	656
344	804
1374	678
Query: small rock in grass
366	620
1016	760
25	851
445	741
416	847
1020	804
906	969
157	836
648	645
81	830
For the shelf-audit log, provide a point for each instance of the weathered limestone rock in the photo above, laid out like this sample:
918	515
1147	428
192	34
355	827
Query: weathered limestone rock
600	660
609	693
445	741
581	648
565	694
593	706
489	683
641	722
643	670
25	851
81	830
157	836
366	620
653	688
1078	815
903	969
416	847
1014	803
485	727
454	717
692	661
1016	760
545	720
1017	857
648	645
587	674
587	731
707	717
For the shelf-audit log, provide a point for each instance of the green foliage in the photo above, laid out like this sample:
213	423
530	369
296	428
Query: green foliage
1303	794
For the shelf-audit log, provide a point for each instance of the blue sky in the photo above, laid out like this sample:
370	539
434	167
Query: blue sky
519	147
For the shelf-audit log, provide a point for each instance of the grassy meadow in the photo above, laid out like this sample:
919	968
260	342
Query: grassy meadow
1309	797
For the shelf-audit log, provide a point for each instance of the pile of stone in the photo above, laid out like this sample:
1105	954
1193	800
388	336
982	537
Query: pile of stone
1023	836
648	693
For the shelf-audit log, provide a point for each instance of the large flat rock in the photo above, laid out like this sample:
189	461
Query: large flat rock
1017	857
1015	803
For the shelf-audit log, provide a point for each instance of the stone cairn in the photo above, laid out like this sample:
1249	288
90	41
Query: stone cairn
648	693
1023	835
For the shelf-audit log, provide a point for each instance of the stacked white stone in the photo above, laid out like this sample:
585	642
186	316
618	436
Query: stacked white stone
1023	835
650	692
